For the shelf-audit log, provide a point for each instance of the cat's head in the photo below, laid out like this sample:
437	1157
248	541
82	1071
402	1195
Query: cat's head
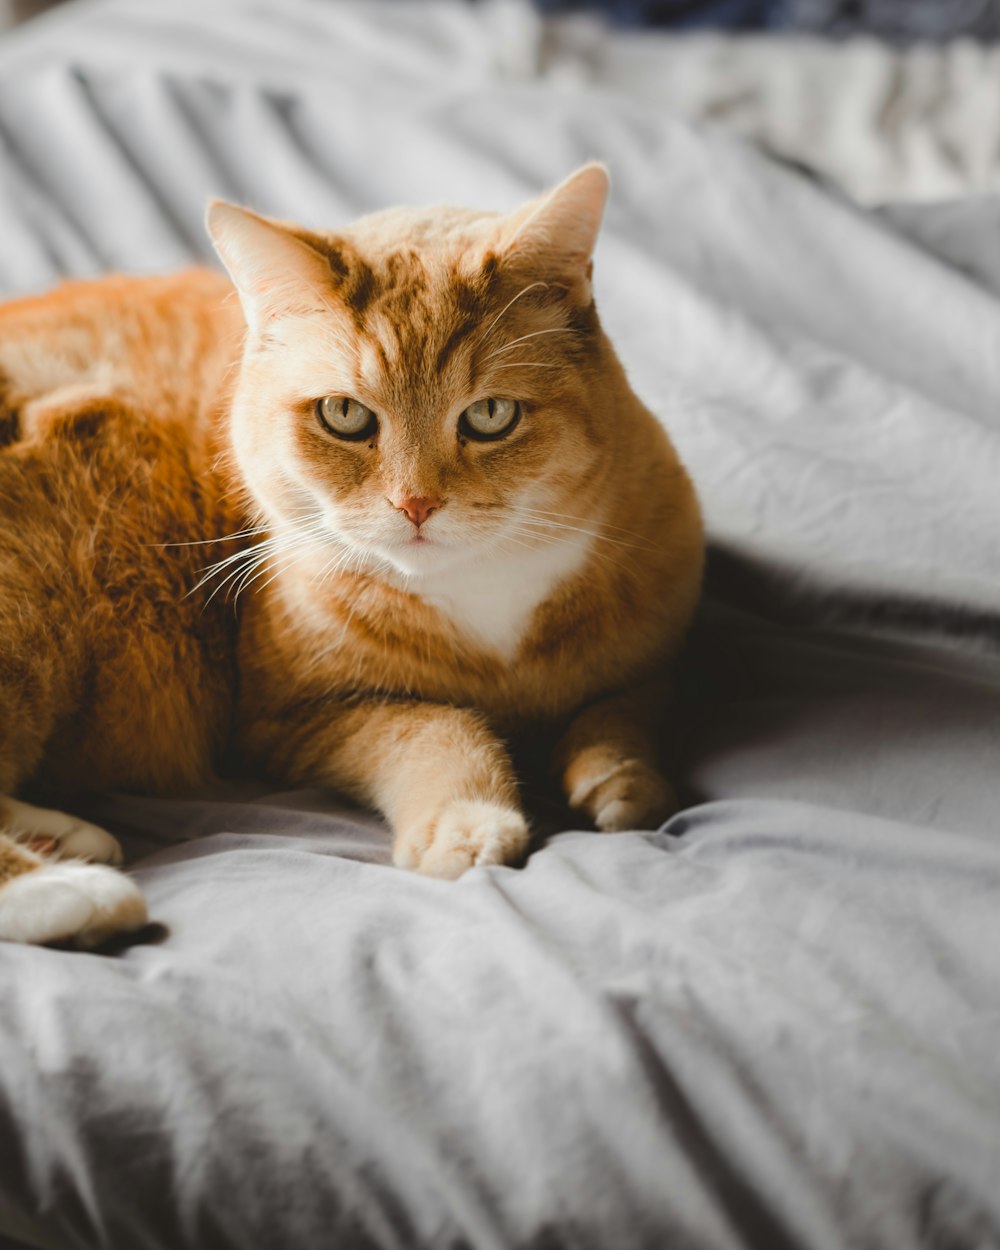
426	386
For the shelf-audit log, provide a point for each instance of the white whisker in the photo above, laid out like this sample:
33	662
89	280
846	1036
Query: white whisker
547	533
534	335
501	544
531	286
223	538
277	573
571	516
238	569
534	517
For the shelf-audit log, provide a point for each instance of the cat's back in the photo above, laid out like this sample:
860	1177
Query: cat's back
112	396
163	343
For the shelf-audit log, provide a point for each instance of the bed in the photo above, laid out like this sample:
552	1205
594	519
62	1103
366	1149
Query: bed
773	1023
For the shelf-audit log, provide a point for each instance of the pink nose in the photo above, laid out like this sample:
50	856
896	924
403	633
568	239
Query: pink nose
417	507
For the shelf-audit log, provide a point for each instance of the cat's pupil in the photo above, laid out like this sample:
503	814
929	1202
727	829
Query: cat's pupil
489	419
346	417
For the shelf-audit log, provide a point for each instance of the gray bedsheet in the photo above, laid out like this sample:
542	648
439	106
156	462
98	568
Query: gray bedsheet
774	1023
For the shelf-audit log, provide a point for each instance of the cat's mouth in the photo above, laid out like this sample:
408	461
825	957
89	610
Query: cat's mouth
420	554
422	546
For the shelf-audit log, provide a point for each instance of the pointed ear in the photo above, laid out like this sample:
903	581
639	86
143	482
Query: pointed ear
557	233
275	273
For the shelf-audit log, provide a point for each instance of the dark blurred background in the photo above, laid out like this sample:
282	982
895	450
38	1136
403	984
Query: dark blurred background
896	20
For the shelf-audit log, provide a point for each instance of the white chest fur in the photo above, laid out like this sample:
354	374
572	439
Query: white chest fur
493	600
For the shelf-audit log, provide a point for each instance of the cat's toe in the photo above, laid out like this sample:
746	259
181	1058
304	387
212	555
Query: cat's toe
82	903
635	796
84	841
468	833
58	834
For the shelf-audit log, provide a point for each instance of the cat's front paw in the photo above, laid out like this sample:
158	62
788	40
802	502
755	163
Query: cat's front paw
467	833
72	902
632	795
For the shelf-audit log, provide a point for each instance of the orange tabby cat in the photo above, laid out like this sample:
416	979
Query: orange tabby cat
447	520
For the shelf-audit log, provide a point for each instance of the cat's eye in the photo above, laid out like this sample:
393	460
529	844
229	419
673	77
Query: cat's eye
346	417
488	419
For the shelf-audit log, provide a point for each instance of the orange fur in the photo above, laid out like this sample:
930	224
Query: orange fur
552	578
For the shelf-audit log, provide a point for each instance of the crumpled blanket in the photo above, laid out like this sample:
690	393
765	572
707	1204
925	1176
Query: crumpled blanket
771	1024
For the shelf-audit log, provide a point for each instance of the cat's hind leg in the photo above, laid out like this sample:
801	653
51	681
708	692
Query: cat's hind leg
57	834
43	899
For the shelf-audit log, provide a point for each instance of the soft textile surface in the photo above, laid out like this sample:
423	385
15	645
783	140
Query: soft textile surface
917	123
774	1023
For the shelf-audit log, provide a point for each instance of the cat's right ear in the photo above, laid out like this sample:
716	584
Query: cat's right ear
275	273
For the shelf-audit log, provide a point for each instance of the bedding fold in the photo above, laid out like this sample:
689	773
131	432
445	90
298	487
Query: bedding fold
770	1024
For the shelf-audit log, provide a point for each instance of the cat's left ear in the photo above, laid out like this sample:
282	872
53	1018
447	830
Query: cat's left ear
556	234
275	273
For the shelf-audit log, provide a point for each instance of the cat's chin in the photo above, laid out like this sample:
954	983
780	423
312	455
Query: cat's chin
421	559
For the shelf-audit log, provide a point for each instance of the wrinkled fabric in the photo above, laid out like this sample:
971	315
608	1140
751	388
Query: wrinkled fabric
771	1024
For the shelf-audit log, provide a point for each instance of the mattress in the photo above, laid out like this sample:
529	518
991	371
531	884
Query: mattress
772	1023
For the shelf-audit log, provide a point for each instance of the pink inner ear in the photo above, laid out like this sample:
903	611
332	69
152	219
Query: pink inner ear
273	271
561	228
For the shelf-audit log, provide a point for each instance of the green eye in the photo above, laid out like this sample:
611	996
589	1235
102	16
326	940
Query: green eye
488	419
346	418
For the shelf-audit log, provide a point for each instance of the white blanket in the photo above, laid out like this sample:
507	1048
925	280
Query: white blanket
772	1024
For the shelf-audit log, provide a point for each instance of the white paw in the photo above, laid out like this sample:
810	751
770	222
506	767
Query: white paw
468	832
57	834
84	903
